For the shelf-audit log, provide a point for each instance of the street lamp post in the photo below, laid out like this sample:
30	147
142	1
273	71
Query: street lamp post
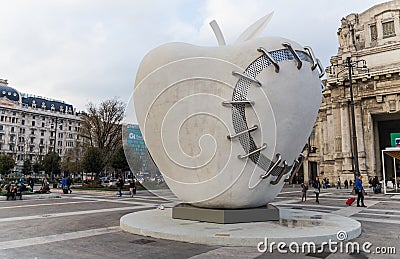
349	65
353	117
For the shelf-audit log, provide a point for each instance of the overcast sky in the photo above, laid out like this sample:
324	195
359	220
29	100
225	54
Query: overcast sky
80	51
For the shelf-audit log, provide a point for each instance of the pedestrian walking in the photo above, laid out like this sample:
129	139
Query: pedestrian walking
304	188
132	187
360	190
339	184
120	185
69	182
317	189
63	183
346	184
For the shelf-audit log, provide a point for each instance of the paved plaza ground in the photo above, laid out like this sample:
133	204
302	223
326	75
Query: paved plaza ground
86	225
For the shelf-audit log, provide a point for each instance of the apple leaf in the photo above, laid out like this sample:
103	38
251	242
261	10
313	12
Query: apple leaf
255	29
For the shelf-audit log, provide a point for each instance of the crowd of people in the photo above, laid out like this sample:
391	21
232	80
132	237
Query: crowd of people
132	186
358	187
15	189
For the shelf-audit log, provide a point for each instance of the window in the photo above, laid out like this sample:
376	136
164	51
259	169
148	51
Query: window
1	127
42	133
388	29
42	124
33	123
60	143
23	122
374	32
60	135
12	129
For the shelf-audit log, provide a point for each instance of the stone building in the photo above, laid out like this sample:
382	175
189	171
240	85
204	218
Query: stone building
372	36
31	126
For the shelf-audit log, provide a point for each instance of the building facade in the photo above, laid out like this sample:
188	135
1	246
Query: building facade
32	126
135	143
371	38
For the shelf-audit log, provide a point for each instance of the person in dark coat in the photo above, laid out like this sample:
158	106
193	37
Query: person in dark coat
120	185
317	189
346	184
69	182
31	182
304	188
360	191
132	187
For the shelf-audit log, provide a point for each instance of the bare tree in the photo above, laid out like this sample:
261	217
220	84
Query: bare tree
102	125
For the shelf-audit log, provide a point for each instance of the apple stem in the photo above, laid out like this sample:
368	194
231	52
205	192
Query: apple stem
218	33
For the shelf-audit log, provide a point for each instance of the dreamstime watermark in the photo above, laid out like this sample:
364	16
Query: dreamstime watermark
340	245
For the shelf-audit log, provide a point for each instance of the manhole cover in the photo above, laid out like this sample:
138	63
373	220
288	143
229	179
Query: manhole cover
141	241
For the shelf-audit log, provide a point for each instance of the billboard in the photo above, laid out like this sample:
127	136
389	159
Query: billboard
395	139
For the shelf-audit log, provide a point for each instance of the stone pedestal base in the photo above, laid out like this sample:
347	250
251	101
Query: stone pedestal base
225	216
293	226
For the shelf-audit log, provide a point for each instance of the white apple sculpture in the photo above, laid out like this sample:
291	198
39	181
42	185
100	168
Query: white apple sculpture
225	125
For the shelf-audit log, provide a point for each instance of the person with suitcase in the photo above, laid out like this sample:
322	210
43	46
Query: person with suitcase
359	190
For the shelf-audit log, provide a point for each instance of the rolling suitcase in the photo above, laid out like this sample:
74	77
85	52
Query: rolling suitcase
350	201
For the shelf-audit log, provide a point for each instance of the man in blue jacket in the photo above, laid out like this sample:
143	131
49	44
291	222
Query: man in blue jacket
359	190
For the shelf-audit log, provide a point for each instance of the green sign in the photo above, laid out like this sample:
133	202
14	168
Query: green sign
395	139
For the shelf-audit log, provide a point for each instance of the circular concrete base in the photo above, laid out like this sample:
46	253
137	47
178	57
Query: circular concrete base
294	226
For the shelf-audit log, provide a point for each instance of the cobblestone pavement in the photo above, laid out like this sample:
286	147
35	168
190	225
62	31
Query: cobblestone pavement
86	225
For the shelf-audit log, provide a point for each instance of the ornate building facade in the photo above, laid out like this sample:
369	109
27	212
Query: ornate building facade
32	126
371	38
